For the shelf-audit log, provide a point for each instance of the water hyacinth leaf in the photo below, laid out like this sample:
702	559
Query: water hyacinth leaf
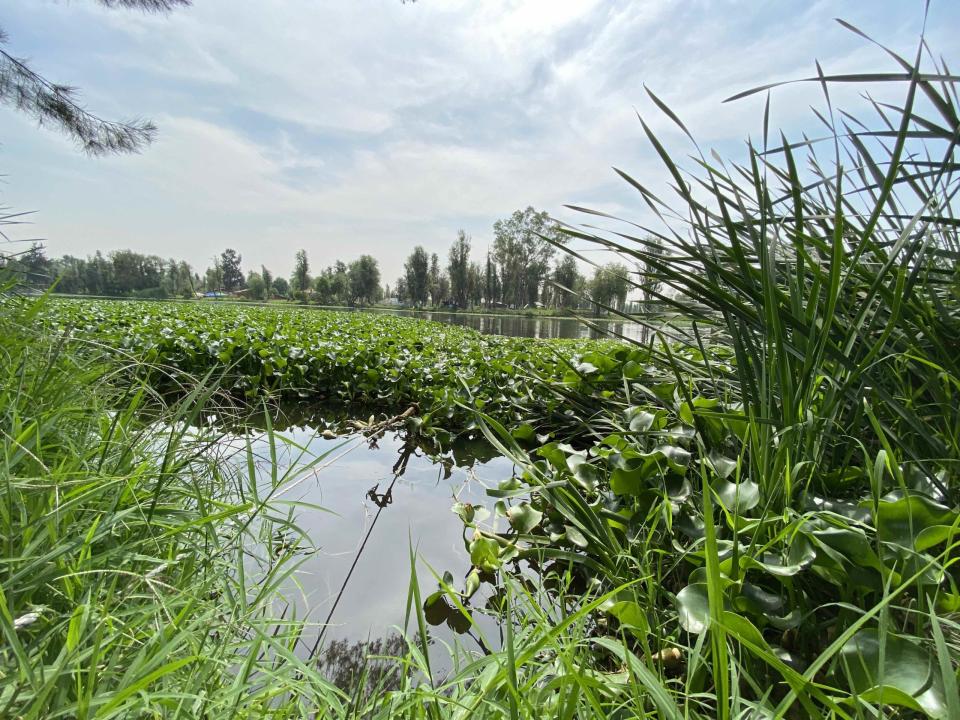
677	457
554	455
758	600
678	489
693	607
575	536
575	460
722	466
630	615
524	434
852	545
641	420
587	476
900	520
739	497
935	535
909	676
524	517
628	482
485	553
471	513
799	557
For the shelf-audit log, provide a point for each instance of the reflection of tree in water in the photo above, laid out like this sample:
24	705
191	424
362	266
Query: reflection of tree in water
365	666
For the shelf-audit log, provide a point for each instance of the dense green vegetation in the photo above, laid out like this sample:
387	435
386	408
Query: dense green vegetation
756	521
377	362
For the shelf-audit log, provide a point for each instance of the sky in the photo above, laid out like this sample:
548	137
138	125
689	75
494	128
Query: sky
370	126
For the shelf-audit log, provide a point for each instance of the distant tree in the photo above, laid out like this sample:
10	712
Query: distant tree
523	254
323	287
177	279
417	269
400	289
267	277
610	285
340	282
458	269
566	275
492	286
475	283
433	282
213	279
230	268
33	266
364	280
256	287
443	289
281	287
300	280
649	272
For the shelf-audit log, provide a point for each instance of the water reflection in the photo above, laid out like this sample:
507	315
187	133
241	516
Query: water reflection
532	326
371	518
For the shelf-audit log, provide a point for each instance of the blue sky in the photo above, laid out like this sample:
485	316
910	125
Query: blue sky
369	126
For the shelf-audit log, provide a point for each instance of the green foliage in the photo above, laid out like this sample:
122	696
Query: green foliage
417	275
364	276
336	359
522	250
776	513
139	571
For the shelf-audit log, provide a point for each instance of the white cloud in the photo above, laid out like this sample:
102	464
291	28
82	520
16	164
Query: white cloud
370	126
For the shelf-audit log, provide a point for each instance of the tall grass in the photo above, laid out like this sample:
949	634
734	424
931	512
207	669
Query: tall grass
139	574
779	476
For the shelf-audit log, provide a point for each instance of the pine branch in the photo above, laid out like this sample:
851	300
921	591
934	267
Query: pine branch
57	105
146	5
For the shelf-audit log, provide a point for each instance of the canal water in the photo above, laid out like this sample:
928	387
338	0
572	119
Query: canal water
532	326
362	520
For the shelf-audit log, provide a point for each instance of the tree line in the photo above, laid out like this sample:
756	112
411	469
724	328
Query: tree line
521	268
518	271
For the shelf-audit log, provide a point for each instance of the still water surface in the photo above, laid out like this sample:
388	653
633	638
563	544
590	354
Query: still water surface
532	327
419	515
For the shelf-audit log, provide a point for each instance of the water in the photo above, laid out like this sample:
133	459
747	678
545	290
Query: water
353	530
531	326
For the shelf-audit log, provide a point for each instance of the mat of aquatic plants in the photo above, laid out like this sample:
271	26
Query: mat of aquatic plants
380	363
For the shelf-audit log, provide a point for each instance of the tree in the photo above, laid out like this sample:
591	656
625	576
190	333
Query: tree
232	275
32	265
459	269
433	282
213	280
58	104
267	279
400	288
417	269
340	282
323	287
567	277
364	280
492	286
610	285
256	287
475	283
300	280
523	254
281	287
649	272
